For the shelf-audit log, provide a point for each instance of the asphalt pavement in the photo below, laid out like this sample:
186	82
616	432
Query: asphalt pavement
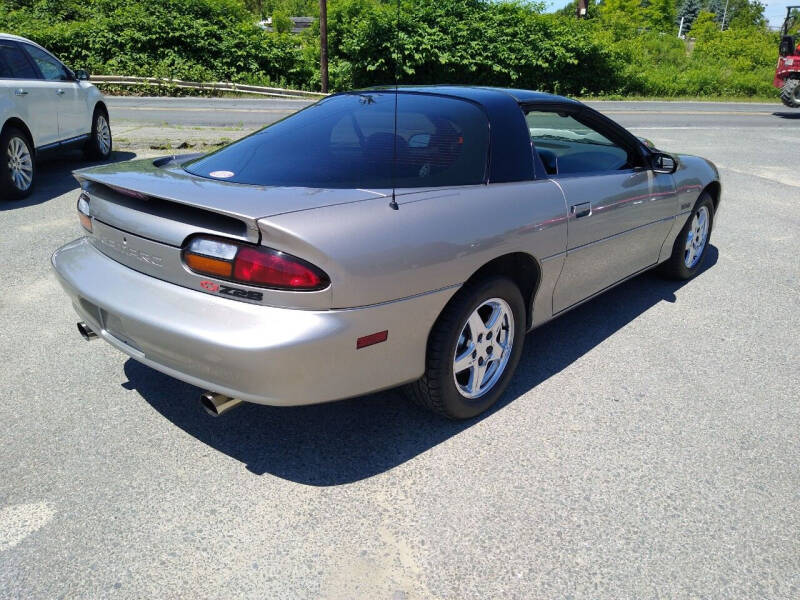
647	448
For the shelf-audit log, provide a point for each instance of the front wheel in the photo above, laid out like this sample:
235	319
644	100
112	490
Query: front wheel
17	165
99	145
690	248
790	93
473	350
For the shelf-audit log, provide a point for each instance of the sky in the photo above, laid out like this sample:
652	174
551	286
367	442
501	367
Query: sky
775	11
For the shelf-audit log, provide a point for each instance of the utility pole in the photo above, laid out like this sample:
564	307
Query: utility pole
724	16
581	9
680	28
323	44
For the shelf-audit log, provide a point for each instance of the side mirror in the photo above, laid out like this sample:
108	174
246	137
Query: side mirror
664	163
81	75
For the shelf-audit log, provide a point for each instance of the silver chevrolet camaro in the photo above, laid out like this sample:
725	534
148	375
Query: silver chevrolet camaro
378	238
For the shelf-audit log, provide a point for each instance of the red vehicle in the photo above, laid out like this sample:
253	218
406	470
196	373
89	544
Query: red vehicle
787	73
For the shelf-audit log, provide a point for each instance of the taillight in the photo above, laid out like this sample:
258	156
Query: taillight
84	215
252	265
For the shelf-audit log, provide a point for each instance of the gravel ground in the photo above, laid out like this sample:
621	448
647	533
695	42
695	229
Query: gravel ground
648	446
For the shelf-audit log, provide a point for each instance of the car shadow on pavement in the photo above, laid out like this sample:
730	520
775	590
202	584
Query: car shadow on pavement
343	442
787	115
54	177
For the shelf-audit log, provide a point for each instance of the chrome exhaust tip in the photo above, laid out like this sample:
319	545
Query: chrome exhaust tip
217	404
85	332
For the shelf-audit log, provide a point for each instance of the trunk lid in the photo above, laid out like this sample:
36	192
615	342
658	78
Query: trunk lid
159	200
144	211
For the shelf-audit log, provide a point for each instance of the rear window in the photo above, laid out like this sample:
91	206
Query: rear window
348	141
14	64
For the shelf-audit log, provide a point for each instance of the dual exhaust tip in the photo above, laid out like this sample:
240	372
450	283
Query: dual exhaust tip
214	404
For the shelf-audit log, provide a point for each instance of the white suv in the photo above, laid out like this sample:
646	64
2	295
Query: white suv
43	107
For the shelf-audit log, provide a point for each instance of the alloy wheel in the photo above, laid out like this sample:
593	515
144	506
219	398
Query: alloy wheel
20	164
696	238
484	348
103	132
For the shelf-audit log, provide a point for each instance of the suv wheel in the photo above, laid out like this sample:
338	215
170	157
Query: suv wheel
99	145
17	166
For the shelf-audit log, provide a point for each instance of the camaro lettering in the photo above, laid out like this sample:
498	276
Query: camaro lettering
123	249
230	291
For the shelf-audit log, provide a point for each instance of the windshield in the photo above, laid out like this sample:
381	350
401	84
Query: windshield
792	22
348	141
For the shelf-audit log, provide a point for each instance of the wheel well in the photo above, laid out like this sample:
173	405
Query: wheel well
519	267
101	106
19	124
714	189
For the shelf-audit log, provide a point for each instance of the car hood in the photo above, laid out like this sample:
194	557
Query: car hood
165	178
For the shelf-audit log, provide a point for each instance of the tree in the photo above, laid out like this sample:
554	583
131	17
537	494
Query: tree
688	11
746	13
623	16
717	7
705	26
660	15
570	10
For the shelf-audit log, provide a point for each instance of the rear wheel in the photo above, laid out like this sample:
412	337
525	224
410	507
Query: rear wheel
17	166
691	245
790	93
99	145
473	350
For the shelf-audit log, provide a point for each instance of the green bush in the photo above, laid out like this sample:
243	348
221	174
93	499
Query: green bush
198	40
627	47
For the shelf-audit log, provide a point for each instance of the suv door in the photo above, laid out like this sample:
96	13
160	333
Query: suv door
619	209
73	117
32	98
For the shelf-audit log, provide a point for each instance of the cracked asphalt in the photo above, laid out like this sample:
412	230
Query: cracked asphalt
647	448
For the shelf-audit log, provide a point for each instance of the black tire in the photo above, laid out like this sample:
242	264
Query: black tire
790	93
11	186
437	389
98	148
676	266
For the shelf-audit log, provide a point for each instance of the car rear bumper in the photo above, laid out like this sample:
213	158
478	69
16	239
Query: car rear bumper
261	354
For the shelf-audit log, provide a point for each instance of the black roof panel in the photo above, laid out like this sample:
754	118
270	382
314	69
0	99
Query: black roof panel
479	93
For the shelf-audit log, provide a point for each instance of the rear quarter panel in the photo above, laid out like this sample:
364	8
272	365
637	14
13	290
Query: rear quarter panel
436	238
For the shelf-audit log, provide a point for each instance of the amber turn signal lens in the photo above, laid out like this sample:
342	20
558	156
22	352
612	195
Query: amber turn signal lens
84	212
252	265
208	265
86	222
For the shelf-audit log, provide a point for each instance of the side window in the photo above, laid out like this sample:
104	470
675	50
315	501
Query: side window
567	146
5	70
14	64
51	69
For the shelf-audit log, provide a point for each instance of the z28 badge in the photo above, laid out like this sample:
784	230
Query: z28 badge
232	291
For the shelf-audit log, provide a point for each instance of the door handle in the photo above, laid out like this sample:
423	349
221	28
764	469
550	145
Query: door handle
20	92
60	92
581	210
